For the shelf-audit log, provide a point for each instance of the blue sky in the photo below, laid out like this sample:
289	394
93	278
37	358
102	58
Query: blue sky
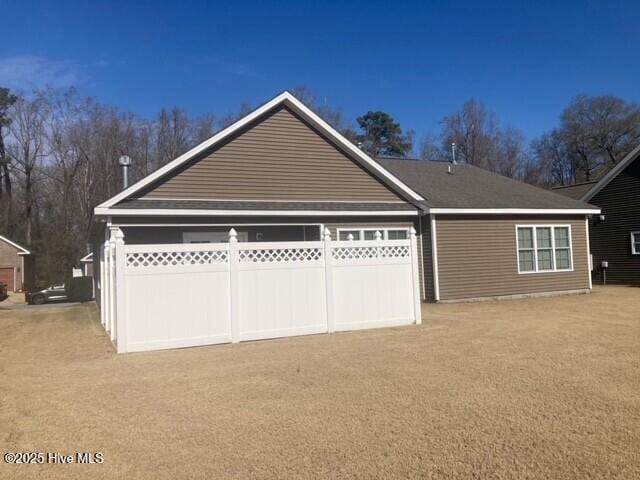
416	60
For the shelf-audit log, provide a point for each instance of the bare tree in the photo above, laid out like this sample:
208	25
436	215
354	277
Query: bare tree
7	99
26	150
474	130
431	148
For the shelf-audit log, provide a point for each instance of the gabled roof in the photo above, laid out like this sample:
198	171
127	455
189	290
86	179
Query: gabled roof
613	173
292	102
469	189
23	251
577	190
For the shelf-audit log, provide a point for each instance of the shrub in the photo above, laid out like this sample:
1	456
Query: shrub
79	289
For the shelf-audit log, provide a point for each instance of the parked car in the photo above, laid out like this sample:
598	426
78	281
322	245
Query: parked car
49	294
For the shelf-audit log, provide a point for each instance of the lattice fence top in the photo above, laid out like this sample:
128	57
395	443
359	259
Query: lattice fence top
363	253
279	255
168	259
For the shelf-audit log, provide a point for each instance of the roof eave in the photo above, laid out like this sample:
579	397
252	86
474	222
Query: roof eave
168	212
515	211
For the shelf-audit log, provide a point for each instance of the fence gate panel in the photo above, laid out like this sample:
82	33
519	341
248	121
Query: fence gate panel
373	284
177	296
281	289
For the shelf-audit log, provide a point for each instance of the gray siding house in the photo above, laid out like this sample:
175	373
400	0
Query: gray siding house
615	235
282	173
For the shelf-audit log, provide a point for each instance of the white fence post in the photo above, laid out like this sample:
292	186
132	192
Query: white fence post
378	236
417	306
103	284
120	291
328	278
112	284
234	287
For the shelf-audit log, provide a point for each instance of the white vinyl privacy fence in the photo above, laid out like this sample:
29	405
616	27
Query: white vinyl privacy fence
179	295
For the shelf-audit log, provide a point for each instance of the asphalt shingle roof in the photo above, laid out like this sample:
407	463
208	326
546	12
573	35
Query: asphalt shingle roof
472	187
576	191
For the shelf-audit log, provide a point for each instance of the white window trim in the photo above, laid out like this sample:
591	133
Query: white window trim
633	243
384	231
535	248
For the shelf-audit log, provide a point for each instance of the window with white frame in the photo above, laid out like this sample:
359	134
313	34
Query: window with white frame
370	233
635	243
544	248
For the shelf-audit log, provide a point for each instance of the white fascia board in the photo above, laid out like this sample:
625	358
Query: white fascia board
87	258
245	213
613	173
241	123
23	251
518	211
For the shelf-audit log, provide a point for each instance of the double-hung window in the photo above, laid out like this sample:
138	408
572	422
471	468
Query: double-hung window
635	243
544	248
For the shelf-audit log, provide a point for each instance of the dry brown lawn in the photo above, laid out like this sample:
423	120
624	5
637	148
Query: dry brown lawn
536	388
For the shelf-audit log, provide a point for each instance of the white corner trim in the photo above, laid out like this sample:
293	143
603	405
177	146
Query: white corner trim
23	251
516	211
434	260
613	173
244	213
285	96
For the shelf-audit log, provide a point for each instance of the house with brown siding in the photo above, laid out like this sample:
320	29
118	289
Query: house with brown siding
615	234
15	265
282	173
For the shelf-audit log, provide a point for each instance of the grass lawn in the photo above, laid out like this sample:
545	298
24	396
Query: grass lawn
535	388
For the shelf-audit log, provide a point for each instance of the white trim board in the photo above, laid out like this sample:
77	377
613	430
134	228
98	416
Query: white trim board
87	258
434	260
234	127
170	212
516	211
13	244
613	173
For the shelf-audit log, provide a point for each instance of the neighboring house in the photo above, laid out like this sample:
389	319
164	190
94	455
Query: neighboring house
15	265
615	235
87	265
282	174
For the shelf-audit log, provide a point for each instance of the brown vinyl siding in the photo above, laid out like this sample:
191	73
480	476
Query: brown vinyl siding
611	239
426	280
279	158
477	257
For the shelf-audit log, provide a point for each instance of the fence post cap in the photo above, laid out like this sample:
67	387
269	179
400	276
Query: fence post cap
233	235
327	233
412	231
378	235
350	237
